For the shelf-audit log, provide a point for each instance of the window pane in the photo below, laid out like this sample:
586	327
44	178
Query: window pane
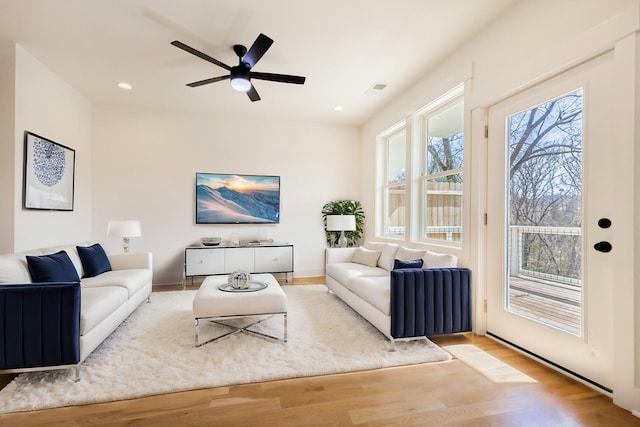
445	140
396	157
395	220
443	211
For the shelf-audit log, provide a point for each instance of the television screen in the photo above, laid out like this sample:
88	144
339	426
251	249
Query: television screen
237	199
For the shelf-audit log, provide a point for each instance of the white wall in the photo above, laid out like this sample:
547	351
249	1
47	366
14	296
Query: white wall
48	106
145	161
7	146
532	41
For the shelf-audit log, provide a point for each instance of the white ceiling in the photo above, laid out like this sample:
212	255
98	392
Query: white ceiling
343	47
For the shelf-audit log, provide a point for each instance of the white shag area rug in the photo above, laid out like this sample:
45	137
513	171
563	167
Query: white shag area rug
489	366
153	352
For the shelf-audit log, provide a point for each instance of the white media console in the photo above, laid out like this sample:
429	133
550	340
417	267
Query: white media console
263	258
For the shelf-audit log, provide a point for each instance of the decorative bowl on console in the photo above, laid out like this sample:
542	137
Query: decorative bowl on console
210	241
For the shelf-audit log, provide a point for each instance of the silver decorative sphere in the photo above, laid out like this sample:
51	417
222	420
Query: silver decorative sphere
240	279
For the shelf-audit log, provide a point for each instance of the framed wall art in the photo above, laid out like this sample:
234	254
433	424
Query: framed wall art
49	170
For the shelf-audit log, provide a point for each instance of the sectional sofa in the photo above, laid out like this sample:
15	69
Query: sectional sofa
79	298
405	293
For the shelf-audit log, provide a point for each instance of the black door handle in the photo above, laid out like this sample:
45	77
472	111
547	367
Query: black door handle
604	223
603	247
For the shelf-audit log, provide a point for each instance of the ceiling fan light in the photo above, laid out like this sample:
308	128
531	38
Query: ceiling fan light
241	84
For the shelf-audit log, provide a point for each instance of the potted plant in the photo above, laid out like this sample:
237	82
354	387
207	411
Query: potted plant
344	207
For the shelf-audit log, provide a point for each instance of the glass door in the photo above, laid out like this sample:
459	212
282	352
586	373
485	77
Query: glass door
549	291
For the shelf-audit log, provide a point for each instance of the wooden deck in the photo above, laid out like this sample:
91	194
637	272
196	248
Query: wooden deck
555	304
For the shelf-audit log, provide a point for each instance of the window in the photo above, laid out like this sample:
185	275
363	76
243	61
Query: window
420	174
441	181
395	185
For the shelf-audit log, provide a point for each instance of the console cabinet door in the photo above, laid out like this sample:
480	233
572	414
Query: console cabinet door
274	259
239	259
203	262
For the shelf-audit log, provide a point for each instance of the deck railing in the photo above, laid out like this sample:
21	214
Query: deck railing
516	245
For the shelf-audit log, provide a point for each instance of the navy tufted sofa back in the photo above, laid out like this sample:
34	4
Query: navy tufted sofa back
39	325
430	301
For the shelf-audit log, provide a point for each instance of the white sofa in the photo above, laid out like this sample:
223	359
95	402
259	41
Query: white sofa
103	301
403	304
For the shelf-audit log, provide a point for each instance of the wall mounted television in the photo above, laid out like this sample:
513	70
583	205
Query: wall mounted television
237	199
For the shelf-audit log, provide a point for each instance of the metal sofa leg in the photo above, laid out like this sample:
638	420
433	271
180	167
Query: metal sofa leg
285	327
77	373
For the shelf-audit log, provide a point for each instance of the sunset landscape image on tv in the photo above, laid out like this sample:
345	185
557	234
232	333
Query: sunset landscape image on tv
237	199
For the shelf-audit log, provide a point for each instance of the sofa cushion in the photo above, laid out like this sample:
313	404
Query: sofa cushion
13	267
366	257
132	280
343	271
52	268
71	251
374	290
437	260
94	260
414	263
388	253
99	303
408	254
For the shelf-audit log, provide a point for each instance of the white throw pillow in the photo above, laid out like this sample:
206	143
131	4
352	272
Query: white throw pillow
407	254
437	260
388	253
366	257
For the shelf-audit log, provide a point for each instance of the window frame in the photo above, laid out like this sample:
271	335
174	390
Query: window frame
414	125
432	110
388	186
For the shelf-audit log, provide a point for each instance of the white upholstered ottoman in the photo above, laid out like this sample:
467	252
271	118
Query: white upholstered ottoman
215	305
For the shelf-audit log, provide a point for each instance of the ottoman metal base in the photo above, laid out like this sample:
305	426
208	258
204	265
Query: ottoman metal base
245	329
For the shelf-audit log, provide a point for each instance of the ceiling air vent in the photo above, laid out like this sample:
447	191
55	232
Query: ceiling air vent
375	89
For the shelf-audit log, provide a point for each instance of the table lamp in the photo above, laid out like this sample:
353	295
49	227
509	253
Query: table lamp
124	229
341	223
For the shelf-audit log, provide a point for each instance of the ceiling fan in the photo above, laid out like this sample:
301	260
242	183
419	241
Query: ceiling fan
241	74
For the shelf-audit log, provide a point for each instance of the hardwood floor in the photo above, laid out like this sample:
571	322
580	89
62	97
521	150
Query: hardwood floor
433	394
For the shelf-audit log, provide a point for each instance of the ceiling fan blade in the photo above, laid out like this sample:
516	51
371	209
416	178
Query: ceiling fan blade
199	54
257	49
207	81
283	78
253	94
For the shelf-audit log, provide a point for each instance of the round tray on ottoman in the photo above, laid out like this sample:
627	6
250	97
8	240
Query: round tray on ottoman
253	287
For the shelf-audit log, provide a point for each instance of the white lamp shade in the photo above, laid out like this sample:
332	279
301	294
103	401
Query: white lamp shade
341	222
124	228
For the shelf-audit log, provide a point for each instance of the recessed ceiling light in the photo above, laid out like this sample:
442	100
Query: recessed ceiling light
338	108
125	86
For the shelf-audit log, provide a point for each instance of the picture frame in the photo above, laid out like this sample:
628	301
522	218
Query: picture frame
49	174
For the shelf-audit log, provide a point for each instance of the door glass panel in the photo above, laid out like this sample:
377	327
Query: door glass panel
544	227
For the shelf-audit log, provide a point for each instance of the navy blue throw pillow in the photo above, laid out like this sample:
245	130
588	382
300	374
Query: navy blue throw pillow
52	268
414	263
94	260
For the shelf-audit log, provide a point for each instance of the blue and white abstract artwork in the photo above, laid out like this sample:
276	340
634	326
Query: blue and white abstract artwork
49	174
